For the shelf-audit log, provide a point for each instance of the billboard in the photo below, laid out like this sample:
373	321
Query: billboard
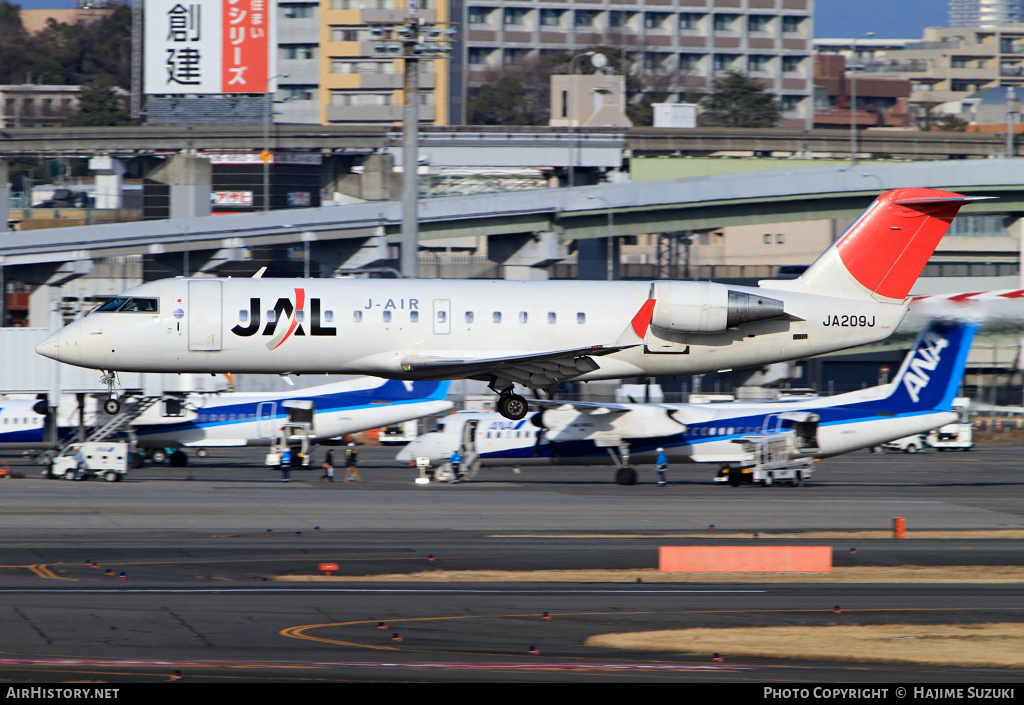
208	46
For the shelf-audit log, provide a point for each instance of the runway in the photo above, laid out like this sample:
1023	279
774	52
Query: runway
198	594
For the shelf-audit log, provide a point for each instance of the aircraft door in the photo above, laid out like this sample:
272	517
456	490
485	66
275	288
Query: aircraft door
442	316
204	314
265	413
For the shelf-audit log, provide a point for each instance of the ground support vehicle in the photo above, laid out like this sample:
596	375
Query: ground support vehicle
108	460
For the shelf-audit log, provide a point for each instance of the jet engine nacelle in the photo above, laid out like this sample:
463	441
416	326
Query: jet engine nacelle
706	307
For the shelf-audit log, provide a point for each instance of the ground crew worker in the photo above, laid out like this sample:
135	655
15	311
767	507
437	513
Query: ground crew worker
660	464
352	459
328	466
456	460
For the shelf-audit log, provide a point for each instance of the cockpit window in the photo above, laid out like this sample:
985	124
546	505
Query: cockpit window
438	427
122	303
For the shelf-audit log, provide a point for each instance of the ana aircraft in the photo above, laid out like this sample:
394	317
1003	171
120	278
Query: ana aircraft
774	437
535	334
247	419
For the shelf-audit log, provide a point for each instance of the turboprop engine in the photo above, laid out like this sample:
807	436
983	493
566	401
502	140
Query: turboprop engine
706	307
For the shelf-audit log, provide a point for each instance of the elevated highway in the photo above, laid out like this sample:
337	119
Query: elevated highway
638	141
558	214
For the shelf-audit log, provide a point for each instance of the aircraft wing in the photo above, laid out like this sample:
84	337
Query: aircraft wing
584	407
536	370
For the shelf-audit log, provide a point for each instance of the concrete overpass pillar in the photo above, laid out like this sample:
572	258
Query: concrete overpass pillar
526	255
109	177
592	258
376	183
190	179
5	197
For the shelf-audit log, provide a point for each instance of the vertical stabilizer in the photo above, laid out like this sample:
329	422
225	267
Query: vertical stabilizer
883	252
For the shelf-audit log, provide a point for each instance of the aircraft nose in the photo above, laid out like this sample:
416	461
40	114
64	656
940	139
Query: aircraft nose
50	347
62	347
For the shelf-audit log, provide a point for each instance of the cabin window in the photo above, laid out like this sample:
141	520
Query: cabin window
469	316
300	316
551	317
271	316
581	318
442	316
414	316
387	316
243	316
328	316
496	316
357	316
522	316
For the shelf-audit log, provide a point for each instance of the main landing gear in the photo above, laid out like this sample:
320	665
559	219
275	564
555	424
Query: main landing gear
512	406
111	405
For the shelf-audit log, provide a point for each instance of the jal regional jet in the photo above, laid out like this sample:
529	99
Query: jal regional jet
535	334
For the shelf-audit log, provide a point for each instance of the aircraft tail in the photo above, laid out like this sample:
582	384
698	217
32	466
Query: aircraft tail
931	373
883	253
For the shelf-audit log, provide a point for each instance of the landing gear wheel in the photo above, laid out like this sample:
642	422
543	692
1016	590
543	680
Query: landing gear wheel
111	406
512	407
625	476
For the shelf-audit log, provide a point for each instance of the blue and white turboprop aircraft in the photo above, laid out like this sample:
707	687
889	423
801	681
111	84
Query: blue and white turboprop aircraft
762	442
247	419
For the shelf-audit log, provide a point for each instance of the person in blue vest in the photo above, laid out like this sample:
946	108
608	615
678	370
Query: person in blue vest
660	464
456	460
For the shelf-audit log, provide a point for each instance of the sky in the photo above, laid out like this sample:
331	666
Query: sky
888	19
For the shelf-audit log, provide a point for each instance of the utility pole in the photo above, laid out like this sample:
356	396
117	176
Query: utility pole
415	39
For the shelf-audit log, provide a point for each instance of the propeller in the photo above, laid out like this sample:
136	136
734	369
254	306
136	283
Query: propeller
542	435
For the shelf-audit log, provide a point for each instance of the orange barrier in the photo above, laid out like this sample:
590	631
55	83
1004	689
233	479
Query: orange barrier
745	559
899	528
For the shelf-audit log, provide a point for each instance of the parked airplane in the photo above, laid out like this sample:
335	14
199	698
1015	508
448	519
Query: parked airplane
247	419
535	334
762	441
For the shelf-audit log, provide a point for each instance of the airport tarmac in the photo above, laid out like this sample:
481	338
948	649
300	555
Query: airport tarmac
200	547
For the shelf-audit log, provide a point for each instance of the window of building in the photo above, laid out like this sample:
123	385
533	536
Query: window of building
294	11
791	24
758	23
724	23
723	62
515	16
655	20
584	18
689	62
550	18
791	64
349	34
616	18
689	20
756	62
298	92
479	15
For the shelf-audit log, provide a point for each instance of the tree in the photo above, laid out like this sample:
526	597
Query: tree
738	101
500	103
99	106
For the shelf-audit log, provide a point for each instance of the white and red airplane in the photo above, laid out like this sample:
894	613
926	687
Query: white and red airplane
535	334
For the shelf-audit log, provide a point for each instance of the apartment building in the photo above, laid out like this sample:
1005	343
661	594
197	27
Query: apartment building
674	45
333	69
336	72
952	63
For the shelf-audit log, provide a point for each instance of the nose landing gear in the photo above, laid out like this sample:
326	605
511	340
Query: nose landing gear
111	405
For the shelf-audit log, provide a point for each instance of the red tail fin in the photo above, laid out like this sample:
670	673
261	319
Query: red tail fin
886	249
